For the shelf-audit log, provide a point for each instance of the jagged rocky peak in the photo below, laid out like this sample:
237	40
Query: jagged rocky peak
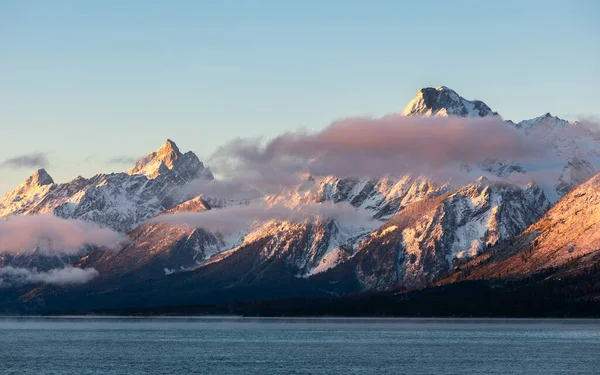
169	161
443	101
38	183
39	178
151	164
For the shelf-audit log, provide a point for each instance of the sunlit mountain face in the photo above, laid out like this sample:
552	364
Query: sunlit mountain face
281	224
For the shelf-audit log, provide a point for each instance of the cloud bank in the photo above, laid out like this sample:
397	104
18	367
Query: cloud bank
69	275
34	160
589	125
235	218
51	235
374	147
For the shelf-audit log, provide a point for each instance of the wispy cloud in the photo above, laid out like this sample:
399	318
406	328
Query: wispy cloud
51	234
34	160
69	275
122	160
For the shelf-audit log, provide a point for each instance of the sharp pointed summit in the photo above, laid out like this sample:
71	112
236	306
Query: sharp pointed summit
443	101
169	161
165	156
35	186
39	178
169	146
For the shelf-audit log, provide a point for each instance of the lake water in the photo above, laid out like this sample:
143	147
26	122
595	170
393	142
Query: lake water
297	346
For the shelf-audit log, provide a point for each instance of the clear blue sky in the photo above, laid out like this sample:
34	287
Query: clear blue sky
85	81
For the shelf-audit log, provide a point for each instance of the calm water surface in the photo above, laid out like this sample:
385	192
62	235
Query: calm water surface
297	346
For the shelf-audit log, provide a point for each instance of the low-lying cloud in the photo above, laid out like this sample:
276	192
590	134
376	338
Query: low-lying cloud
34	160
392	145
50	235
235	218
69	275
220	189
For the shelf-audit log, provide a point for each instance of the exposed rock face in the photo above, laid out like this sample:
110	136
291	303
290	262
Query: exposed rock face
416	246
424	240
158	248
31	191
39	178
169	163
383	197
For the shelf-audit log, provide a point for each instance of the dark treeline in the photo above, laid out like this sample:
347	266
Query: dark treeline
570	290
535	296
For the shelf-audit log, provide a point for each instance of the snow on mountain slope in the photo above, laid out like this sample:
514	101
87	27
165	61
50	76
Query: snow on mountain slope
159	248
442	101
415	246
576	149
298	249
120	201
421	243
305	248
566	236
28	194
383	197
310	248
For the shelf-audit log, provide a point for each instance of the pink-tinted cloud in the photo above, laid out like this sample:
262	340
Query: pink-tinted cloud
392	145
235	218
52	234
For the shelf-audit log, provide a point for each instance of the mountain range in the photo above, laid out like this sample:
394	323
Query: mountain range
327	237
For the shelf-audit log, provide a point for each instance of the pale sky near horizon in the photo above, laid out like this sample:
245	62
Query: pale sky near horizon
85	82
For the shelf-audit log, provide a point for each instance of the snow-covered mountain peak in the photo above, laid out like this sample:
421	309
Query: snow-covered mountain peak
443	101
168	147
39	178
31	190
154	163
169	162
34	184
546	121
